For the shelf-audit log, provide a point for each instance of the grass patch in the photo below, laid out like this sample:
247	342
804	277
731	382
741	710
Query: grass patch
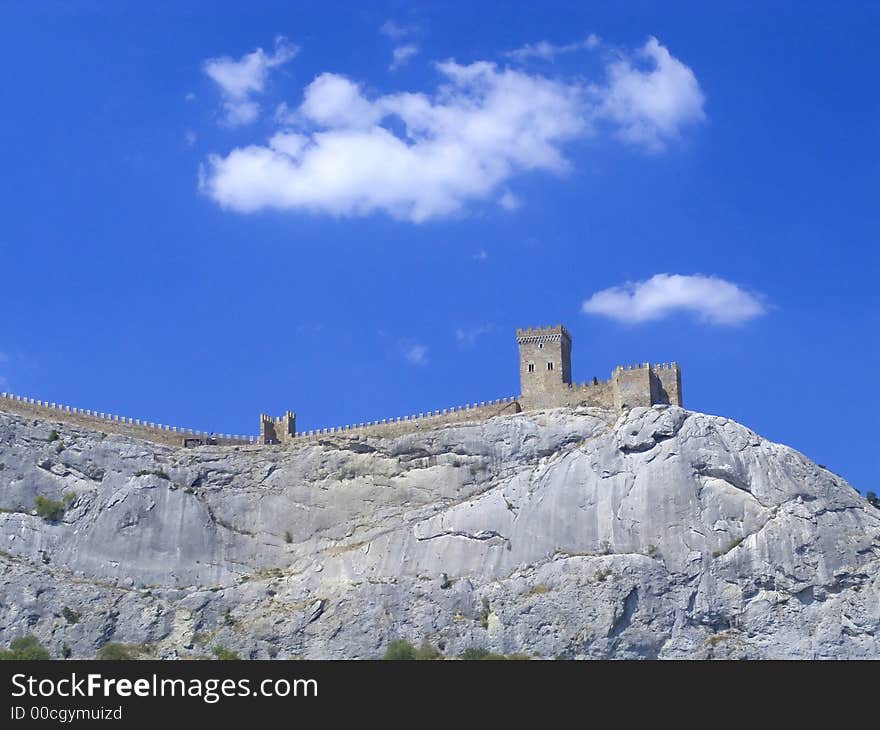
115	652
402	650
480	654
25	647
721	637
537	590
224	654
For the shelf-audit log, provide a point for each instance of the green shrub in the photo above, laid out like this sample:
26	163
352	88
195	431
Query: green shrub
428	652
400	649
483	618
65	651
53	436
70	615
224	654
873	499
25	647
117	652
50	510
288	537
68	498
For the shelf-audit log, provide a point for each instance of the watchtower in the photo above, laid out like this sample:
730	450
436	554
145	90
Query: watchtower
277	430
544	365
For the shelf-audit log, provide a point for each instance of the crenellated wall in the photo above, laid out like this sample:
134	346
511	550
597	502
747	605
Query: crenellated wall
668	383
389	427
545	377
109	423
277	430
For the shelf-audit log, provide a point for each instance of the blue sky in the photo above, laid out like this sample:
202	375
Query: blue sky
212	210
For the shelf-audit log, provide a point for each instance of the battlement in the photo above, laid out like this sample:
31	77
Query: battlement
545	379
111	423
542	334
277	430
657	366
390	427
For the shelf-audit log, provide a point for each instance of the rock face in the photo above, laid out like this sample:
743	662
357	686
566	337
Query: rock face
572	533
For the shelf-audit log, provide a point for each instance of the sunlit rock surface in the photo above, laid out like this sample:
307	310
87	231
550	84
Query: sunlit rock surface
563	533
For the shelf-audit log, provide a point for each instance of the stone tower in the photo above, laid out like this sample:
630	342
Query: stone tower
277	430
544	365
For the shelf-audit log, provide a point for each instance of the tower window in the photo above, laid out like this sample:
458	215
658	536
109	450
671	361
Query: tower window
540	345
549	365
531	367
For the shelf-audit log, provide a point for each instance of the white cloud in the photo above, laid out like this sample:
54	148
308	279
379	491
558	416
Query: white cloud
190	96
481	255
333	101
419	156
189	137
395	30
712	299
240	79
415	354
650	105
509	201
468	337
402	54
480	128
548	51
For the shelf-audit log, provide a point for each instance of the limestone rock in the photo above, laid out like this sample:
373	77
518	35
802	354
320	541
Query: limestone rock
570	532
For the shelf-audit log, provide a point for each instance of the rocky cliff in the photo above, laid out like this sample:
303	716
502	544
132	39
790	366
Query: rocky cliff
563	533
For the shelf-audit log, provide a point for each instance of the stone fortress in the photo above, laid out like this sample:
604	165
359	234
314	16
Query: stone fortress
545	382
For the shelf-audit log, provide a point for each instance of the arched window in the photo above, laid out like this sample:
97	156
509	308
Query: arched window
549	365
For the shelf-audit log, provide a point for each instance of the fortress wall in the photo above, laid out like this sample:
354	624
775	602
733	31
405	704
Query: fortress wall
666	379
633	386
391	427
277	430
599	393
108	423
